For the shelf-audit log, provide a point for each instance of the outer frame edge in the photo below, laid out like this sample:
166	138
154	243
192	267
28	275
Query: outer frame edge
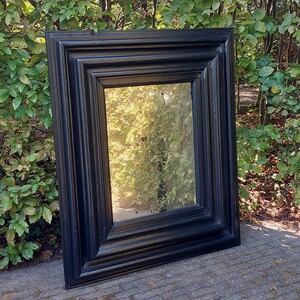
73	263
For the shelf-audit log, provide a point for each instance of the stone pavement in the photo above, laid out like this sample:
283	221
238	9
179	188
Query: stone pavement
265	266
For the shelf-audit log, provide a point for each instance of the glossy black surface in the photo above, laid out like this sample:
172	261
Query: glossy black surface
81	65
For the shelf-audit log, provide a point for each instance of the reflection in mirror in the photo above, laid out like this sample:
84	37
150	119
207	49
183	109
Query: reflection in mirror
151	149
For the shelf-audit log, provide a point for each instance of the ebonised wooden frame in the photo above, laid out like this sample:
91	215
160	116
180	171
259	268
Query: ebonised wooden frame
81	65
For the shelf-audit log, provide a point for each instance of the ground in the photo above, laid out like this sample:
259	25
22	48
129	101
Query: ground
266	266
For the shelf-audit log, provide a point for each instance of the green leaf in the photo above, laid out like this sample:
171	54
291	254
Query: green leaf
30	200
9	181
297	35
295	72
10	236
14	189
186	7
6	203
279	77
4	94
32	246
216	5
244	193
20	230
181	21
11	7
253	78
291	29
7	50
100	25
2	37
275	100
282	167
281	29
265	71
207	12
25	188
29	112
28	210
27	253
260	26
264	146
241	29
16	103
48	5
24	79
39	48
271	109
259	14
34	188
7	19
16	259
33	98
270	25
284	113
297	138
13	93
256	169
12	64
37	216
3	252
20	111
252	65
47	214
32	157
261	161
4	262
21	87
275	89
287	19
54	206
19	42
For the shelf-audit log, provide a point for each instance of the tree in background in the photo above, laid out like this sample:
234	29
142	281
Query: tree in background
267	39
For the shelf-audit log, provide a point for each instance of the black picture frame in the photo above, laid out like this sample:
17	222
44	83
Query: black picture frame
81	65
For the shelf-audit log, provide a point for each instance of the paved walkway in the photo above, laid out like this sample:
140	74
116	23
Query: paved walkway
265	266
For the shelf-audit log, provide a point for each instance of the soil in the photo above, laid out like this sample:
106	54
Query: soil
272	200
48	238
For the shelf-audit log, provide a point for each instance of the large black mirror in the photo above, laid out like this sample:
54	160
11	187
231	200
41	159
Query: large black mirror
145	142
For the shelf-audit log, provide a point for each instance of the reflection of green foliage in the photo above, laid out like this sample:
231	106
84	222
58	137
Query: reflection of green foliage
151	145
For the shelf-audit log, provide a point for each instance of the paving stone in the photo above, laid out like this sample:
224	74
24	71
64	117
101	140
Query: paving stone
174	294
265	266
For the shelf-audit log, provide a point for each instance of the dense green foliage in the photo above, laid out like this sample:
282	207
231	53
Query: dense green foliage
151	146
267	39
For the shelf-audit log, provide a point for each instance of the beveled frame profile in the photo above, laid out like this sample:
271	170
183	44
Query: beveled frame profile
81	65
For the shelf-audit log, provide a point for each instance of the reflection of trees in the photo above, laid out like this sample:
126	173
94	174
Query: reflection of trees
151	145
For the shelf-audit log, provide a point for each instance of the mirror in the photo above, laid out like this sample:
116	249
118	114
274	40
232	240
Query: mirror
146	118
151	148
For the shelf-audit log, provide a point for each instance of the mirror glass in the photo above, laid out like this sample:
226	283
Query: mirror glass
151	149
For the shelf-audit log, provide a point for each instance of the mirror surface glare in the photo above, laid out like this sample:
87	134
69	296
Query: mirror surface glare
151	149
